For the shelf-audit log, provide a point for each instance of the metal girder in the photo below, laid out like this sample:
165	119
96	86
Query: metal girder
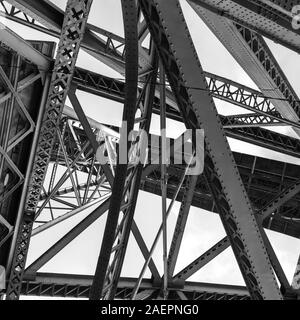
268	206
100	85
181	295
296	278
71	114
145	294
159	232
61	218
21	111
72	32
20	236
67	147
248	98
253	54
249	120
221	246
220	88
133	190
285	99
164	176
72	154
285	195
43	11
256	169
55	12
67	238
64	191
78	286
87	128
84	224
143	247
42	16
50	16
278	201
274	22
77	230
169	31
181	223
285	286
285	6
262	178
20	97
266	139
8	170
82	118
271	207
204	259
224	243
23	48
262	167
102	274
238	218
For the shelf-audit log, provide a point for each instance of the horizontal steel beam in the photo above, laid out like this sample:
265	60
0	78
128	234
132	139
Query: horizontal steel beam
220	88
78	286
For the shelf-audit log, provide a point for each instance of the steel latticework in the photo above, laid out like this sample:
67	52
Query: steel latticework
51	153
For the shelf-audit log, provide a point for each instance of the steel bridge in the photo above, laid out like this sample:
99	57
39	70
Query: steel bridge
50	169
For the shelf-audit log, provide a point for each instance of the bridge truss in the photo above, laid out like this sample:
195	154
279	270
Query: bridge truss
49	164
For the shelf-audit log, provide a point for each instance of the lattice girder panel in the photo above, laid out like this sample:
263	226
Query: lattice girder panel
71	37
270	21
251	51
21	92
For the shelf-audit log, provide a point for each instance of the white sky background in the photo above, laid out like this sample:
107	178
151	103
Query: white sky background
203	229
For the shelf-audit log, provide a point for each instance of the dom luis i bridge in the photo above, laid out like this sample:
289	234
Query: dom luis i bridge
119	127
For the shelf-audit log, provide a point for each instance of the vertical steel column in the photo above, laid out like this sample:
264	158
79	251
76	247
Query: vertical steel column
129	8
133	190
181	223
164	175
72	34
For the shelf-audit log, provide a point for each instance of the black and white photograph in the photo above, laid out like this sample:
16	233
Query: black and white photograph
149	155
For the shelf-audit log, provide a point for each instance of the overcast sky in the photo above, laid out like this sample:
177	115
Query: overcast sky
203	229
